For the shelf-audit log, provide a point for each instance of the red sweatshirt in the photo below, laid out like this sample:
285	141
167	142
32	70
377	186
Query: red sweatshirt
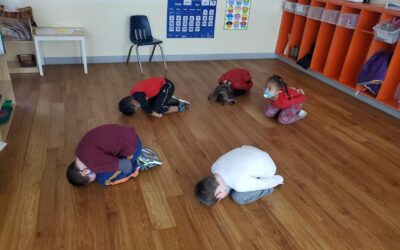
101	147
239	78
283	101
151	86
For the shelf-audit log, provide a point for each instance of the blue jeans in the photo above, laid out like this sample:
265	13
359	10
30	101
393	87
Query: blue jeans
136	154
247	197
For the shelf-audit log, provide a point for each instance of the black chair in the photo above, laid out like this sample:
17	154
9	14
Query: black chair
140	35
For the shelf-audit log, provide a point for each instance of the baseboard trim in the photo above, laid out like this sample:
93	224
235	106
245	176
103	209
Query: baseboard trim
342	88
157	58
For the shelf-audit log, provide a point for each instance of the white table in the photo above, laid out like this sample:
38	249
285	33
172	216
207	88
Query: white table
41	34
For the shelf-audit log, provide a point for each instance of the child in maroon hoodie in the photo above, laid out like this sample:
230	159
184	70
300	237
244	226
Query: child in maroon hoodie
110	154
285	102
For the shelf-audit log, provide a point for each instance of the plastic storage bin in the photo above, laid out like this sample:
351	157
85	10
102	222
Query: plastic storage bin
385	35
301	9
315	13
330	16
289	6
348	20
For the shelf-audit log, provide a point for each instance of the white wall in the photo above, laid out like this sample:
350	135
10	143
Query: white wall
107	27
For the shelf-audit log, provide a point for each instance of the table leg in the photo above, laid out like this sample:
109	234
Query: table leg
83	52
38	57
41	53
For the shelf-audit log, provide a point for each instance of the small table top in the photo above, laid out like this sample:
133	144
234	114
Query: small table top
58	31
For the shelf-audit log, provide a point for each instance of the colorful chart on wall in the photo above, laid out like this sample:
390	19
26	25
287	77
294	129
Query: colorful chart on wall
191	18
237	14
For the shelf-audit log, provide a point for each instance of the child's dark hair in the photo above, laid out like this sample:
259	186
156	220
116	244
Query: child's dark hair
205	190
75	177
280	82
126	106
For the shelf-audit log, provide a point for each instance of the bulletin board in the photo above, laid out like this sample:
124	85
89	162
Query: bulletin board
237	14
191	18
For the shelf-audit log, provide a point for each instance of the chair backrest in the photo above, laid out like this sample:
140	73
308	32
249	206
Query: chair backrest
140	29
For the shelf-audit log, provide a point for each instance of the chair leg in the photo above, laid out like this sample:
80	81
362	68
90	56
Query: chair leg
162	55
152	53
138	59
129	54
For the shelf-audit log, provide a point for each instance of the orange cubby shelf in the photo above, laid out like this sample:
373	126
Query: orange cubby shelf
305	2
369	7
317	3
284	31
368	20
337	52
330	6
309	37
377	45
297	31
322	46
355	57
392	80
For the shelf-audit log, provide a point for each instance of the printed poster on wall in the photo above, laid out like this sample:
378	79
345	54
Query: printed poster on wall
237	14
191	18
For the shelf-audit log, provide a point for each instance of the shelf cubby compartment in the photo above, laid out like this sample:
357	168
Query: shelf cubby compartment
368	20
355	58
338	51
377	46
297	31
392	79
309	37
284	32
339	48
289	6
321	50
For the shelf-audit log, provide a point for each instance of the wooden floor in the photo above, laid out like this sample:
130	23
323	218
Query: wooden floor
340	164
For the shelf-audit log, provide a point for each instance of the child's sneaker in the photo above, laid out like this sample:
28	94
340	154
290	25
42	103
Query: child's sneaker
148	159
174	101
182	106
302	114
181	100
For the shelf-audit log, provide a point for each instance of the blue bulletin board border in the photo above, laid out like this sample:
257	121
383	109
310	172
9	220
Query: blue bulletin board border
191	18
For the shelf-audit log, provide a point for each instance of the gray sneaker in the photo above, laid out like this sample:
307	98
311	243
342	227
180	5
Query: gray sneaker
302	114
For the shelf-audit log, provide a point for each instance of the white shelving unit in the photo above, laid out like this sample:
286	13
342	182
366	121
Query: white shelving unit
7	92
15	48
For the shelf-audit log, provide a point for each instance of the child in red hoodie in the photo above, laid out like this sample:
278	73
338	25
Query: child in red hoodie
234	82
285	102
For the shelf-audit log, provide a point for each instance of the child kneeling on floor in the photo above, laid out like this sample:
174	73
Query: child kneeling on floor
285	102
110	154
154	96
246	174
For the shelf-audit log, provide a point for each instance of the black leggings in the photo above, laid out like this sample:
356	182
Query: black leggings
160	101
